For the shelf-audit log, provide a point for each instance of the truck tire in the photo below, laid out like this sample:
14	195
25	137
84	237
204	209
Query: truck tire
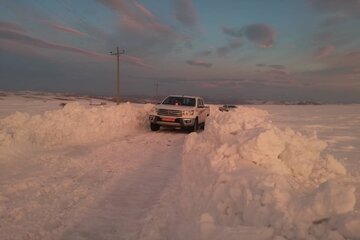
194	128
154	127
203	126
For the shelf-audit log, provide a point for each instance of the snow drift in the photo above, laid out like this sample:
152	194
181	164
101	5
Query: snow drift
74	124
245	177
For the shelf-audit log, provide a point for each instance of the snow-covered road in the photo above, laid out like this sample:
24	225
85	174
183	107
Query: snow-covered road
96	191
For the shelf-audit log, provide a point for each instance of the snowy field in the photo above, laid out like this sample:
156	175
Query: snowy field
84	171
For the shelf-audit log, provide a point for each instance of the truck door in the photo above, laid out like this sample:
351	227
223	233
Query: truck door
201	109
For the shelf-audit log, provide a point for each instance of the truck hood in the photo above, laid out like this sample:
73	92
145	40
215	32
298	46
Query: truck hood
173	107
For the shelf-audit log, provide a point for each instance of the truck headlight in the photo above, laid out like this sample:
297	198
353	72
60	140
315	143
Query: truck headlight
188	112
153	111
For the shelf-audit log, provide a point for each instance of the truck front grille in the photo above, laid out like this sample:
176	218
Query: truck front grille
166	112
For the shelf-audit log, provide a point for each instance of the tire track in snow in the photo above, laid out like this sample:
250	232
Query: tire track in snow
120	211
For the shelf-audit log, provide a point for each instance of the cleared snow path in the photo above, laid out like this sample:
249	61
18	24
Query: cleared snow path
126	199
102	190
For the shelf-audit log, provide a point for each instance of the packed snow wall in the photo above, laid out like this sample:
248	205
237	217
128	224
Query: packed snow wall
244	178
74	124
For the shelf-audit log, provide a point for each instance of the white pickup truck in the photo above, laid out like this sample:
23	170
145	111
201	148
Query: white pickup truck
175	111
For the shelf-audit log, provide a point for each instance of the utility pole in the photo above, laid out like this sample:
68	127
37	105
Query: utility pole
117	54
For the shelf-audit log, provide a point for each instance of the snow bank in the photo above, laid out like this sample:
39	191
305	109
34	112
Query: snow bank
74	124
244	177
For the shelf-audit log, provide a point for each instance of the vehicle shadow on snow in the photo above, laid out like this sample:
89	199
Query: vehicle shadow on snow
177	131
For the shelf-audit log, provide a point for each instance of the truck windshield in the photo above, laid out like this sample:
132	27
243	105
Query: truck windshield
181	101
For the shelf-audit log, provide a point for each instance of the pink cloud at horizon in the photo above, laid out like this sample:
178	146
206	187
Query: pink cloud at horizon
66	29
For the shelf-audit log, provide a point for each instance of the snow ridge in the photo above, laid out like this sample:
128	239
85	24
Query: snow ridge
74	124
245	177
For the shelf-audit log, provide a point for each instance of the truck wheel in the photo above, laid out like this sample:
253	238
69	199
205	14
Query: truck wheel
154	127
194	128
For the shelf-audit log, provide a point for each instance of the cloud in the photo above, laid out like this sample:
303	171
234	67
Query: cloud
275	79
353	54
145	12
144	27
10	26
137	18
204	53
223	51
135	61
261	65
232	32
232	45
185	12
356	71
339	64
351	7
278	72
334	20
65	29
199	63
349	60
235	43
323	52
120	5
221	83
13	34
208	85
24	38
276	69
277	66
262	35
29	12
330	75
323	37
140	31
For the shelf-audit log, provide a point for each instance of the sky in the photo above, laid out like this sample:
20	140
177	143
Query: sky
230	50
